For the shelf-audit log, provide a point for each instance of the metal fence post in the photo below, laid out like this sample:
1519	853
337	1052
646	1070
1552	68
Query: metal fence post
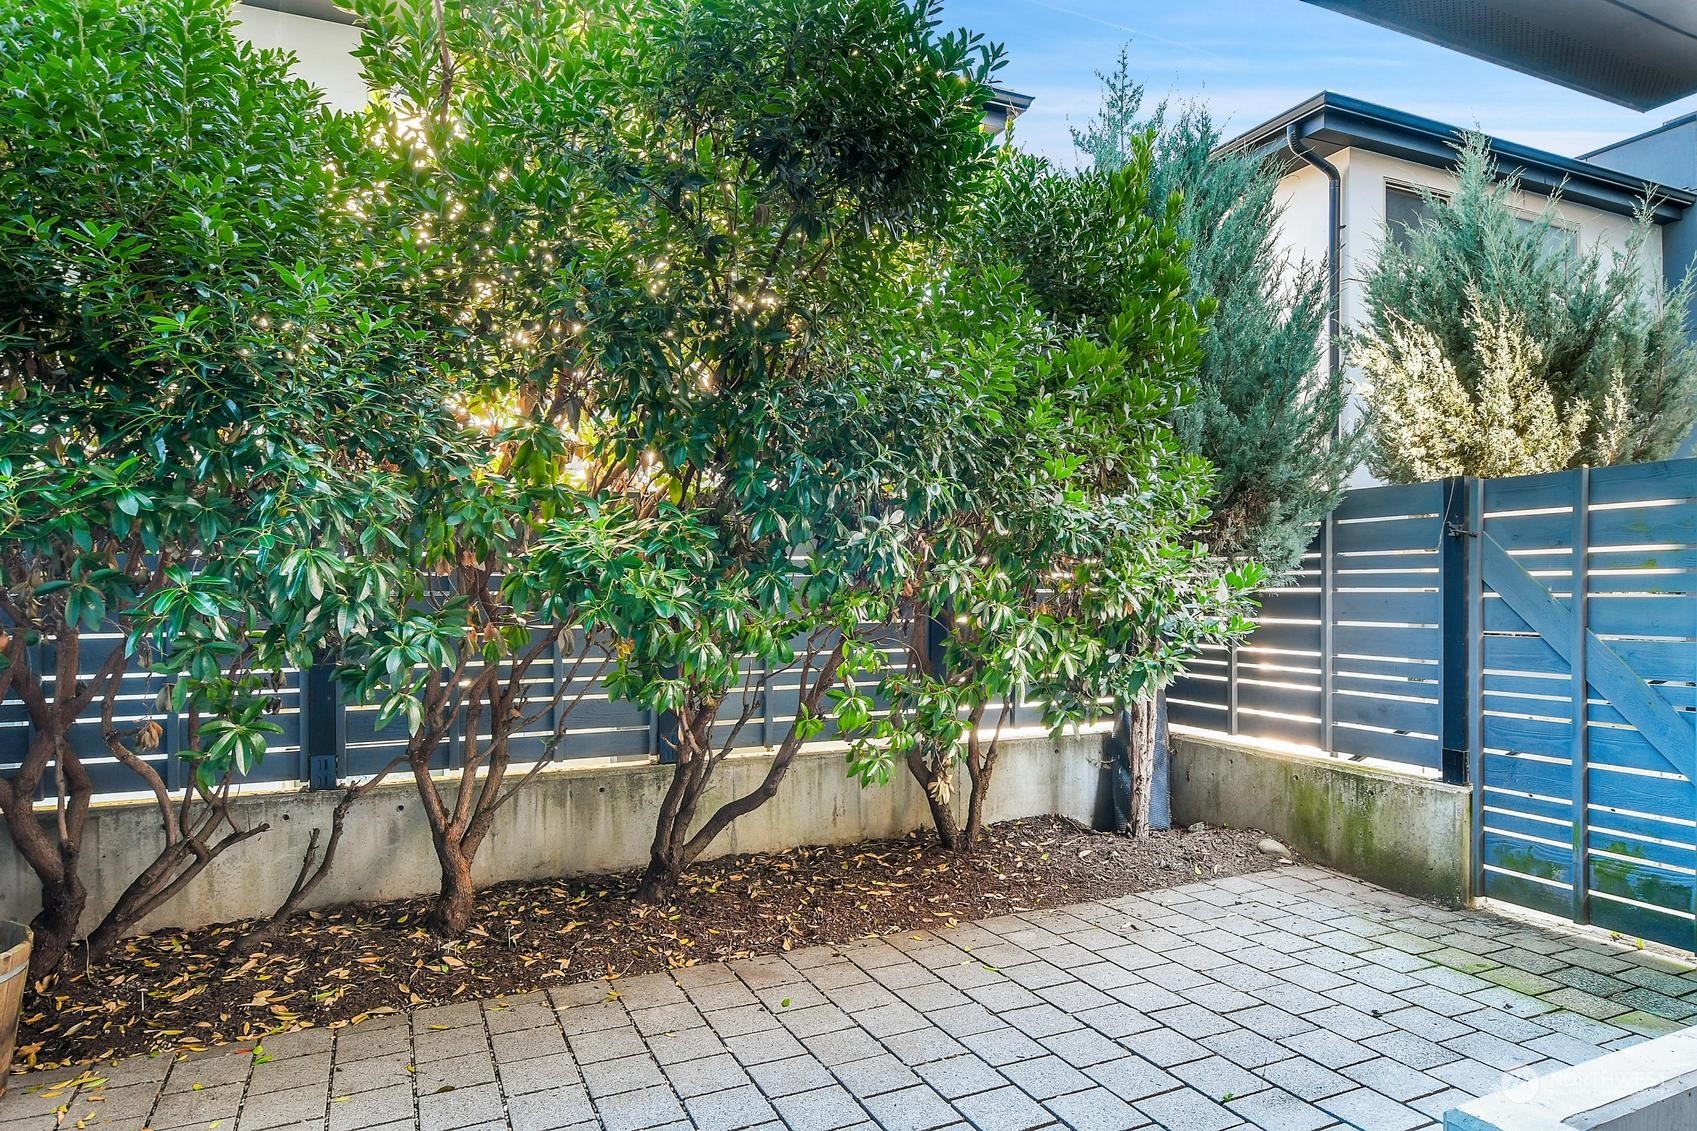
1328	620
1454	629
664	732
322	735
1580	688
1474	670
936	642
1231	689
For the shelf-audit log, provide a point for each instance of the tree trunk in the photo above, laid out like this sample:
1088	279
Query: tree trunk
1141	742
942	811
55	925
674	848
980	777
659	881
450	915
313	869
54	856
668	854
126	912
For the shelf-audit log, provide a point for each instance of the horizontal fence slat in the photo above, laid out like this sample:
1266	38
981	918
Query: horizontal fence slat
1386	712
1549	862
1388	640
1386	746
1388	607
1639	792
1674	617
1387	534
1532	532
1395	500
1643	922
1298	732
1636	483
1283	700
1641	881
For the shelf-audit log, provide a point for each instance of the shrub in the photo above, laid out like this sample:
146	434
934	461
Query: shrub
1474	278
210	414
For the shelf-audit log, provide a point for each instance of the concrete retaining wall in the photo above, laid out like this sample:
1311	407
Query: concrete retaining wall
1406	833
573	820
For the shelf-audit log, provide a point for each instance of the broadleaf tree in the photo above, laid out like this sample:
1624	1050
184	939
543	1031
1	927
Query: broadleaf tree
632	226
1266	413
494	152
1061	562
210	432
797	153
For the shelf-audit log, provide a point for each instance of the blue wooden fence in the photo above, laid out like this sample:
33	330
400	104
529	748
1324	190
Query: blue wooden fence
326	741
1442	626
1348	657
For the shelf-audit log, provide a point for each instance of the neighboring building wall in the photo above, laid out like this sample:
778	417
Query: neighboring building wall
1667	156
323	51
1364	215
323	54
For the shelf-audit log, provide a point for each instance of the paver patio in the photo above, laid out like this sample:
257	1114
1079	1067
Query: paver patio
1292	1000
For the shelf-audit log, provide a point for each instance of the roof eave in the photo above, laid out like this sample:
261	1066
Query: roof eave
1330	122
326	10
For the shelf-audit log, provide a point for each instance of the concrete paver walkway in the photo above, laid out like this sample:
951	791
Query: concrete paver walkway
1292	1000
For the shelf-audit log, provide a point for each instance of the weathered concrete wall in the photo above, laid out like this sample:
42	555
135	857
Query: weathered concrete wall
574	820
1409	834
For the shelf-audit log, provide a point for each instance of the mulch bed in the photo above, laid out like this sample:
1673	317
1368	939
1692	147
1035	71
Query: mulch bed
187	989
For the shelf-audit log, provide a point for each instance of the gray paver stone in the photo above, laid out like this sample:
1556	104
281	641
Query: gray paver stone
1097	1110
1279	1111
912	1109
729	1109
823	1109
1188	1109
551	1109
459	1107
1004	1109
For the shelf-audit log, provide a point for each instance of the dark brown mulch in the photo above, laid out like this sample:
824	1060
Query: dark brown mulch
187	989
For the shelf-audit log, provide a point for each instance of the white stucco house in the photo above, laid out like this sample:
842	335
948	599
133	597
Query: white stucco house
1349	166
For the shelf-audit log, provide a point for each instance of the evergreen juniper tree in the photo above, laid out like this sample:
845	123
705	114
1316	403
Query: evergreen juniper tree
1597	347
1266	412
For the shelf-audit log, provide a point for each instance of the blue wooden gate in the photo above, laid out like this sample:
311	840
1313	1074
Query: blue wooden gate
1585	803
1438	627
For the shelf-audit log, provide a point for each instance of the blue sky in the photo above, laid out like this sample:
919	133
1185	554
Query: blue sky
1250	59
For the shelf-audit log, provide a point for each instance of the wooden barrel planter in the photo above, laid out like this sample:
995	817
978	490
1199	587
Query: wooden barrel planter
15	940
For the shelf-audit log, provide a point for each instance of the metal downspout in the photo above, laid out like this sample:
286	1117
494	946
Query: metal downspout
1334	286
1334	242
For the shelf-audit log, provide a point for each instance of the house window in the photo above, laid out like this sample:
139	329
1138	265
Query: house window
1406	209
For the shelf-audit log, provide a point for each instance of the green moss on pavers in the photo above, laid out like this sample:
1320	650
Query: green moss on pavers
1413	944
1646	1024
1521	981
1663	983
1602	985
1589	1005
1464	961
1660	1004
